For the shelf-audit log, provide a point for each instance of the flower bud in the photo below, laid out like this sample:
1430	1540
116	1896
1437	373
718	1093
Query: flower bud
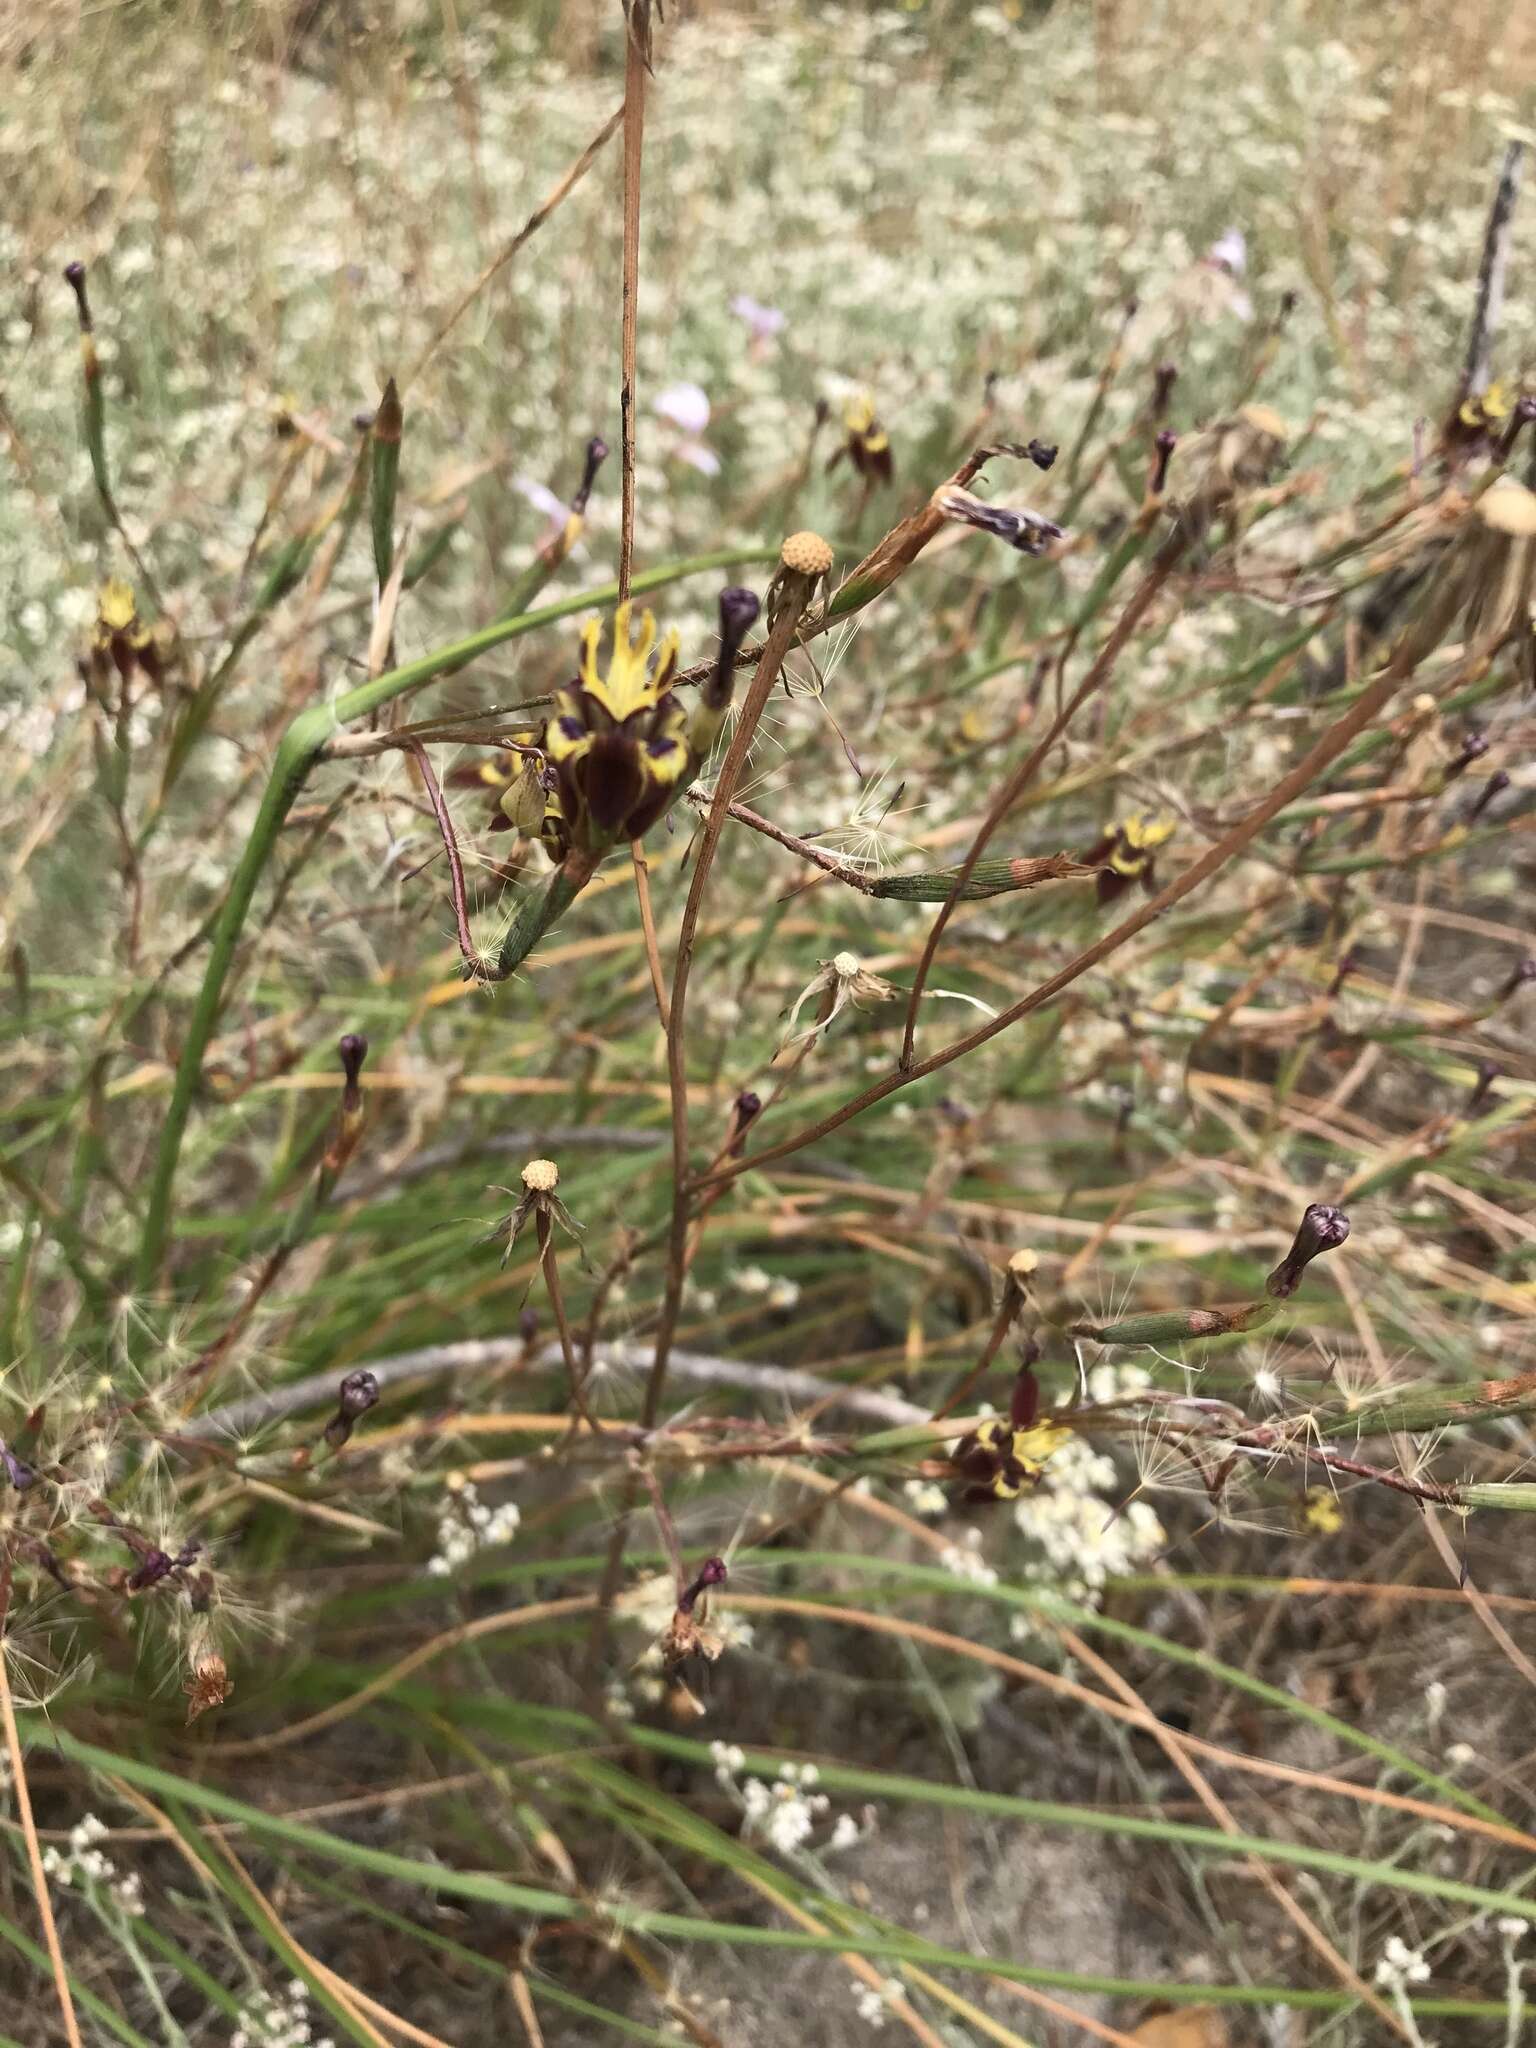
358	1392
597	454
711	1573
738	613
1494	787
1523	972
74	277
1165	444
1322	1229
353	1050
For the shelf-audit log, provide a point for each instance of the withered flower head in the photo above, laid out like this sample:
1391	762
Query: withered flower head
1127	853
1485	581
616	741
540	1178
1232	456
206	1685
1322	1229
844	979
1031	533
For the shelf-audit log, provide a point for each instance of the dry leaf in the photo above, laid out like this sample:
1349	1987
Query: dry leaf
1196	2026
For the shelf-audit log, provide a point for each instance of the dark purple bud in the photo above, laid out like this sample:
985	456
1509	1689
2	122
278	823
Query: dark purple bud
74	277
1024	1402
1289	301
358	1392
353	1049
1494	787
1524	971
1488	1071
745	1111
1473	748
1041	453
738	613
1350	964
823	412
711	1573
1323	1229
1165	444
596	456
1164	377
528	1322
188	1554
1132	307
363	421
151	1569
17	1471
354	1397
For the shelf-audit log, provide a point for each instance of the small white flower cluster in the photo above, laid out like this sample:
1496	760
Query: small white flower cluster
1083	1540
926	1497
1399	1965
963	1561
787	1811
87	1866
282	2022
873	2002
466	1524
776	1290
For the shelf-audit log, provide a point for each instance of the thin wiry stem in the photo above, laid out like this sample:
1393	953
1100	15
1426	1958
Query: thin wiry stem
634	139
29	1828
1327	748
1478	367
1098	674
529	228
775	650
648	926
440	811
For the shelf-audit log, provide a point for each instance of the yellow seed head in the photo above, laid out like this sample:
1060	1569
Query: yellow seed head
807	554
541	1176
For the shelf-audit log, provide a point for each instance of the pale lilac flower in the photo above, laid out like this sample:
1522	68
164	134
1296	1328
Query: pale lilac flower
1229	252
542	498
685	405
763	322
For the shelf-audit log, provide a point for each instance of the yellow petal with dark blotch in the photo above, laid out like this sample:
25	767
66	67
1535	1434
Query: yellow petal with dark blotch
115	605
665	759
566	738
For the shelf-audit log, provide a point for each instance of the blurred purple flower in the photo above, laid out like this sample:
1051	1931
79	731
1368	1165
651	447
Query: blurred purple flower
762	321
686	406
